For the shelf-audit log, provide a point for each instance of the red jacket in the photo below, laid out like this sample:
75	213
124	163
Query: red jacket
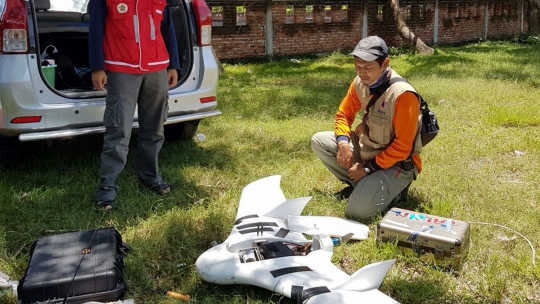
132	40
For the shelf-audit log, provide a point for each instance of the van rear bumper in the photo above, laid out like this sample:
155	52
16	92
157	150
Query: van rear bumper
60	134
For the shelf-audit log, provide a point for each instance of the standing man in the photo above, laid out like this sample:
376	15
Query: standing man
133	50
381	157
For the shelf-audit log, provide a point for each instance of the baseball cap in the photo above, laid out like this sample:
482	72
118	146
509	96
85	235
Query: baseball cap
370	48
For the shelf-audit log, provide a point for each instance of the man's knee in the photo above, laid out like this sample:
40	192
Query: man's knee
321	143
315	142
368	200
361	210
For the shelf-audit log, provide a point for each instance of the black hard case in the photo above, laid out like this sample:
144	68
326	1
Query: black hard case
84	266
429	237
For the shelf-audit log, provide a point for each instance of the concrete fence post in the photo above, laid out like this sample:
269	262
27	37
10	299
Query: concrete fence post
486	20
436	23
522	16
365	19
269	30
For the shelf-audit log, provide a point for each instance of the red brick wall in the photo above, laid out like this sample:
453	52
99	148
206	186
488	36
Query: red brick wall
504	19
458	22
319	36
461	22
240	41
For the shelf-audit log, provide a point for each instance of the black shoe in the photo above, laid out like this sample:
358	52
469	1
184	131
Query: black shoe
344	193
161	188
405	194
104	205
402	197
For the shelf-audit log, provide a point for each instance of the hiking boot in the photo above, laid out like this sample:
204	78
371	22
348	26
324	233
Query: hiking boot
160	188
104	204
344	193
402	197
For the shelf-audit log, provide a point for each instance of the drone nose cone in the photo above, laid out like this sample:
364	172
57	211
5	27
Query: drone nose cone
217	265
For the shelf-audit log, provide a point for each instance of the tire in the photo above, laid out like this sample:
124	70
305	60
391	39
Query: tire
182	131
8	151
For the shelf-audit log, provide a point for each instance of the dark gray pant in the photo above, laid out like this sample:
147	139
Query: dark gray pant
373	193
125	92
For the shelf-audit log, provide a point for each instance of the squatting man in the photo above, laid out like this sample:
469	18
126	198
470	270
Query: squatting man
381	156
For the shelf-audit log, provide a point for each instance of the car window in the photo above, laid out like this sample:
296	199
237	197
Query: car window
69	5
2	8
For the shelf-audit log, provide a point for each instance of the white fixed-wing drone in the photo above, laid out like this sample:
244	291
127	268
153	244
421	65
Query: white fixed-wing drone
267	248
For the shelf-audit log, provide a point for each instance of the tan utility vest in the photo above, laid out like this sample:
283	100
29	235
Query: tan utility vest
378	131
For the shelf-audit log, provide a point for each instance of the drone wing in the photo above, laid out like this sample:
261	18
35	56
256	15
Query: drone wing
290	207
369	296
366	278
260	196
363	284
336	227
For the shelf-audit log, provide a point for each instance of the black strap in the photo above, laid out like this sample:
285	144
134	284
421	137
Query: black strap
239	220
377	93
300	295
381	89
385	85
283	271
257	224
282	233
296	293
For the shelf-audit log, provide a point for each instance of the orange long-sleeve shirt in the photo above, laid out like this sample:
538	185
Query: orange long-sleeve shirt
405	123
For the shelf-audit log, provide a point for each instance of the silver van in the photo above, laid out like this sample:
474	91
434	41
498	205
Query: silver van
45	85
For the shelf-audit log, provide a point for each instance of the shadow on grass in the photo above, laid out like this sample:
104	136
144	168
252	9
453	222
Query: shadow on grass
285	89
420	290
453	62
51	193
164	260
51	190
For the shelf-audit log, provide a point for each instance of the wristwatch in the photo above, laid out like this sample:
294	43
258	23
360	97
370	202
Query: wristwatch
367	170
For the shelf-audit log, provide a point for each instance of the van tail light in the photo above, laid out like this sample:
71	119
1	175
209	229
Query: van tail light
26	119
13	28
203	14
208	99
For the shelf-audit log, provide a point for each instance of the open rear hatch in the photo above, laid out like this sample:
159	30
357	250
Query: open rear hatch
62	45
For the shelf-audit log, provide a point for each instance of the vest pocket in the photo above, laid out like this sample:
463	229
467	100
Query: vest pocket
165	110
123	15
157	10
367	146
379	129
155	21
120	9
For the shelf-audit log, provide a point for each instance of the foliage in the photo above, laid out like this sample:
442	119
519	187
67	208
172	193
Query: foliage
528	39
240	9
481	168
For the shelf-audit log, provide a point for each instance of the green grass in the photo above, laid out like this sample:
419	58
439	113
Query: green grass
485	96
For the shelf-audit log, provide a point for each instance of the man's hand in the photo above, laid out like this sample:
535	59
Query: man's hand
356	172
99	79
344	155
172	75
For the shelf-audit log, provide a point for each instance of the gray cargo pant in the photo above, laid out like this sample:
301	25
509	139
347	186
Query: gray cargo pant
373	193
124	93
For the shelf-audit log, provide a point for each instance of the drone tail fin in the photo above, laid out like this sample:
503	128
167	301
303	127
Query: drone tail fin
349	297
289	207
335	227
260	197
366	278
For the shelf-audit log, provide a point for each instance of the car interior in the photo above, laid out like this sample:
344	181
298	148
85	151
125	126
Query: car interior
63	39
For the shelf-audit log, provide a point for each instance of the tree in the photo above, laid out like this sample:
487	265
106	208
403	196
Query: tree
534	8
408	36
